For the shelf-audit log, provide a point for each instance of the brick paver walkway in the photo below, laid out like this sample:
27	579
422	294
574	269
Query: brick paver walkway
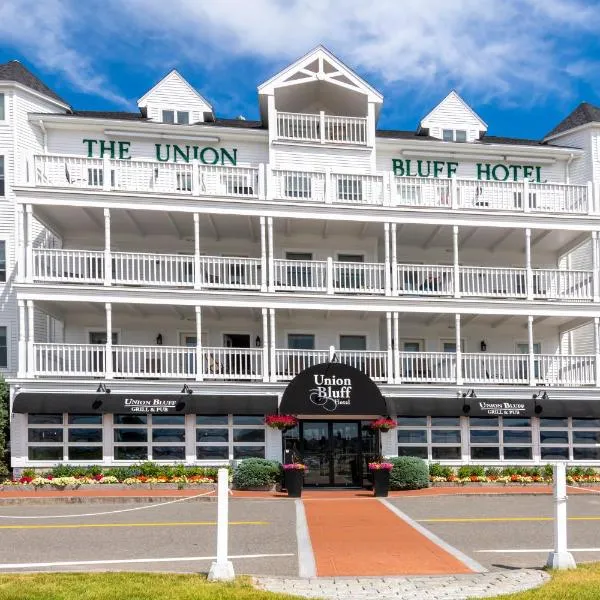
455	587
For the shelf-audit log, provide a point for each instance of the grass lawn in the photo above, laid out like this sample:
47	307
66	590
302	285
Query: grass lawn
126	586
582	583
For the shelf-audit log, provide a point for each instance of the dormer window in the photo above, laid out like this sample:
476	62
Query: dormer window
454	135
181	117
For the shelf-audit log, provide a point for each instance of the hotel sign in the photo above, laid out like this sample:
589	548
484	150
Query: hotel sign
332	389
501	408
149	405
206	155
407	167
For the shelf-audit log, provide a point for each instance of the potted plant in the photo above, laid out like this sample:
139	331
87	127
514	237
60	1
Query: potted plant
383	424
381	478
294	478
281	422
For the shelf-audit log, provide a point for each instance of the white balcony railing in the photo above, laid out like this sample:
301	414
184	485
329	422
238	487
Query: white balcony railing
321	128
246	364
372	189
242	273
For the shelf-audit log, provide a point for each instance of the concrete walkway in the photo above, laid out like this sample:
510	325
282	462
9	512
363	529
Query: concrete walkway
454	587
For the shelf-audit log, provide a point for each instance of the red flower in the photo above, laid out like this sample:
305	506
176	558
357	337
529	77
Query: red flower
281	421
383	424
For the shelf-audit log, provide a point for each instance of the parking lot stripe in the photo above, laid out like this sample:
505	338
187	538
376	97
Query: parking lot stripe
306	558
78	563
498	519
533	550
165	524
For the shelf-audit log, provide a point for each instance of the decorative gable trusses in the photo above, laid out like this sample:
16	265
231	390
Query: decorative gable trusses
173	92
453	113
318	65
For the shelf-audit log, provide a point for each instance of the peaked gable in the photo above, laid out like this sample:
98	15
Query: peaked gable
454	113
583	114
174	92
320	65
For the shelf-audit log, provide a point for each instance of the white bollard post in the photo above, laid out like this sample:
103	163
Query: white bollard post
560	558
222	569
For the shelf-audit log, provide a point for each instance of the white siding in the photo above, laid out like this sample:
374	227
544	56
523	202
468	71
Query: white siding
453	113
580	169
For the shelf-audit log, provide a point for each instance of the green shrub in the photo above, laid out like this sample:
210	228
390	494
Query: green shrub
437	470
548	471
464	471
256	472
492	472
478	470
409	473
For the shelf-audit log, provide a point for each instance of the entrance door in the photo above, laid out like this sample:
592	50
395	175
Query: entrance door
333	453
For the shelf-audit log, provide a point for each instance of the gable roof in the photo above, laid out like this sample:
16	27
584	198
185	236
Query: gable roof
13	70
182	80
584	113
454	96
319	53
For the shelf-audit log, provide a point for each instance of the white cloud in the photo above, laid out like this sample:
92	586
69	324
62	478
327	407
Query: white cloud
45	33
509	51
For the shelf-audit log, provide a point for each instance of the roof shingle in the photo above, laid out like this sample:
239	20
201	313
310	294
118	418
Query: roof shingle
13	70
584	113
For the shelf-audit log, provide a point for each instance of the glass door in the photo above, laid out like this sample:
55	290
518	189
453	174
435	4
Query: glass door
345	450
316	452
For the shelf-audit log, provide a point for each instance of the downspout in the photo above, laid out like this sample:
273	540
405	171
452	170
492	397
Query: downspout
45	136
567	165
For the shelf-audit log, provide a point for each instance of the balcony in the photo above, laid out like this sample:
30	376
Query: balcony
263	183
308	276
246	364
321	128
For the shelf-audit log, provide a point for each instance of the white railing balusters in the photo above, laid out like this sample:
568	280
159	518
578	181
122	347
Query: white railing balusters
232	363
357	189
371	362
427	367
358	278
493	282
484	367
307	127
430	280
136	268
220	272
559	284
77	266
300	275
290	362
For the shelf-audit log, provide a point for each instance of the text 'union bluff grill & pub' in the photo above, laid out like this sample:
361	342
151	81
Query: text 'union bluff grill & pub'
170	277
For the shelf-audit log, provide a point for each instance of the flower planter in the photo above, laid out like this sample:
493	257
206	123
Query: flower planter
294	480
381	483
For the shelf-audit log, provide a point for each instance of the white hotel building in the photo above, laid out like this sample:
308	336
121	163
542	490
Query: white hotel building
166	274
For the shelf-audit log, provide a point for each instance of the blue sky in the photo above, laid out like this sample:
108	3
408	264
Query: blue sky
521	64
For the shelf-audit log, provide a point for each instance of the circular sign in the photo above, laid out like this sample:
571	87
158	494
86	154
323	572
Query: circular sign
333	389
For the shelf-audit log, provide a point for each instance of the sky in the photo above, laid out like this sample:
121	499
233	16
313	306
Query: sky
522	65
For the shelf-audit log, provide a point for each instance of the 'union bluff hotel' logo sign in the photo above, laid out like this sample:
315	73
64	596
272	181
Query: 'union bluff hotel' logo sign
330	392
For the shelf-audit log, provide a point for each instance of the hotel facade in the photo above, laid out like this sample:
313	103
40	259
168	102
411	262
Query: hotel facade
169	277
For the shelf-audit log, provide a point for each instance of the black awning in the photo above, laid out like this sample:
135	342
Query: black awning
55	402
485	407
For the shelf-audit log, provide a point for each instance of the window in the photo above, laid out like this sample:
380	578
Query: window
301	341
454	135
298	185
349	189
182	117
2	261
2	107
501	438
433	438
226	437
74	437
2	179
3	348
238	184
353	342
300	275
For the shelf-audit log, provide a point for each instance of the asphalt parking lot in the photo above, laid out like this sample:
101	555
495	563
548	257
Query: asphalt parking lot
262	534
502	532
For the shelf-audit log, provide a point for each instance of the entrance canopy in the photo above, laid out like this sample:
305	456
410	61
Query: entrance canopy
332	389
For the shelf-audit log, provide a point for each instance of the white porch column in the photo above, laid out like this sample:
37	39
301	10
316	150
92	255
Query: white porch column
456	263
107	253
197	269
270	254
529	270
597	349
394	234
108	361
530	348
199	351
22	368
265	345
396	339
263	255
29	243
30	339
387	267
459	376
272	345
21	273
390	348
595	265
